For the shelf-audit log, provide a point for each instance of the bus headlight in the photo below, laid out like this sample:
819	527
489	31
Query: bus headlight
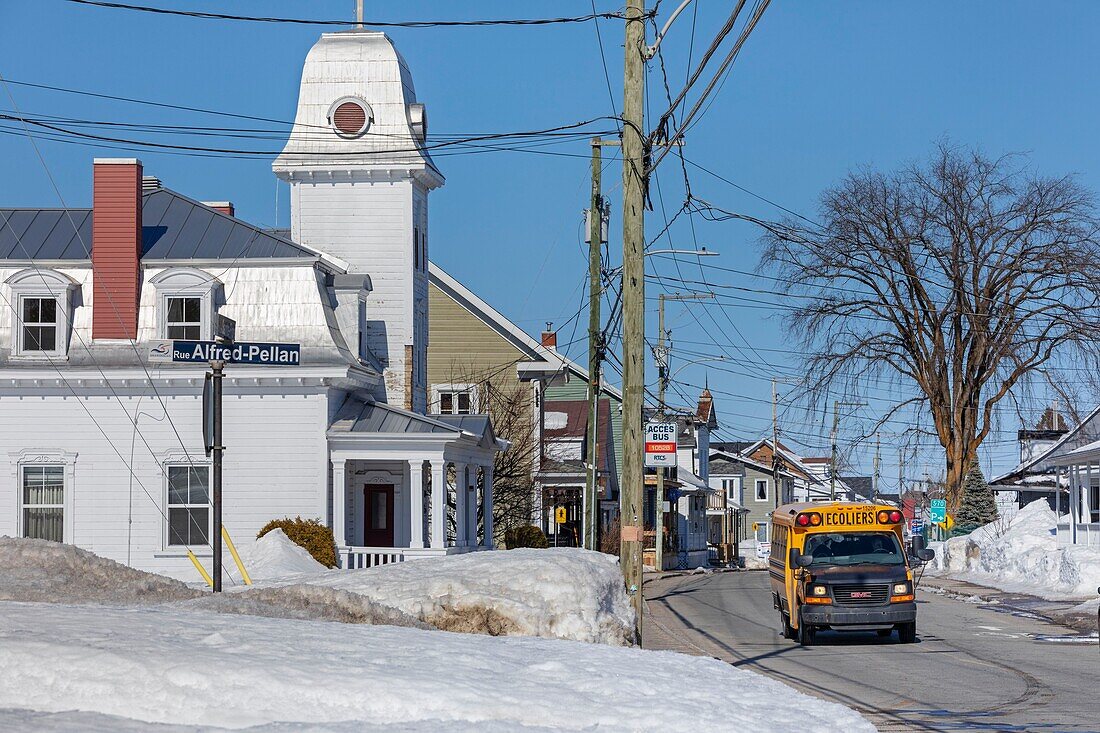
901	589
819	590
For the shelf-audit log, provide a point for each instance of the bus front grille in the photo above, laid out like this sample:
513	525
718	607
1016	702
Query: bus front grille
861	595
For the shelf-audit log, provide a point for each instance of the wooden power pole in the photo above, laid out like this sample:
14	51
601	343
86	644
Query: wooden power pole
634	175
595	351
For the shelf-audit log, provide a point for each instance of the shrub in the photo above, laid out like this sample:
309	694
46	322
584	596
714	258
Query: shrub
525	535
609	539
310	534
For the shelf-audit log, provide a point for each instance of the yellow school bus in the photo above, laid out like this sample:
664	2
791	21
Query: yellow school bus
843	566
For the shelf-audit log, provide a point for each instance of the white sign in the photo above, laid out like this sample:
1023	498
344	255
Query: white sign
660	444
763	549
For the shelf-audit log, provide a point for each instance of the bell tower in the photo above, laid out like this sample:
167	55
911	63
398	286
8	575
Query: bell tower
359	177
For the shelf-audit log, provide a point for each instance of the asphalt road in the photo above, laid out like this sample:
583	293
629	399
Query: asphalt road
974	668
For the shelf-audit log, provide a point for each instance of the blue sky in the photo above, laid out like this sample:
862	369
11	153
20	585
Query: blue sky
820	88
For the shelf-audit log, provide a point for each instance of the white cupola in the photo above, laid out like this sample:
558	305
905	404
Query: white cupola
359	180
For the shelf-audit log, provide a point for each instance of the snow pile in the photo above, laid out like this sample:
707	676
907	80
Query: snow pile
564	593
304	602
1022	555
161	665
37	570
275	556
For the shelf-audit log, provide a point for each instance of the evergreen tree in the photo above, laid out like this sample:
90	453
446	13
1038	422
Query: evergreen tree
978	505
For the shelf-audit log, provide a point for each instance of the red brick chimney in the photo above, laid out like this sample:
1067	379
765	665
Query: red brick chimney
225	207
550	339
116	247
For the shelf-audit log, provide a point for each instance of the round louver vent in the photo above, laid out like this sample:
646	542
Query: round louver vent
350	118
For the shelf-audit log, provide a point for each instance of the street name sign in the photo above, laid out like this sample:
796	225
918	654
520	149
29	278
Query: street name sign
660	444
939	511
242	352
916	526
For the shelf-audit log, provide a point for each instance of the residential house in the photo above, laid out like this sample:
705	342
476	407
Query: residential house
480	361
802	485
749	485
1061	466
1036	477
104	442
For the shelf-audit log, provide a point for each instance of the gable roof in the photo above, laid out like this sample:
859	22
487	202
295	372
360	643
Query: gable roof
173	227
1080	435
547	359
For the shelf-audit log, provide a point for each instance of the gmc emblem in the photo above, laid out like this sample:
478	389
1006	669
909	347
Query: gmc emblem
861	594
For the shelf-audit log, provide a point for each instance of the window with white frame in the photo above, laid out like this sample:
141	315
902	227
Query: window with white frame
762	531
185	303
43	502
183	319
41	303
40	316
732	487
761	489
188	505
454	399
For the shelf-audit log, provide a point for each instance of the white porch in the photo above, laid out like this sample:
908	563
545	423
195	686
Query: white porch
1082	474
407	486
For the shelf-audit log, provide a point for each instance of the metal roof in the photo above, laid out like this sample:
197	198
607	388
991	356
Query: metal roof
368	416
174	227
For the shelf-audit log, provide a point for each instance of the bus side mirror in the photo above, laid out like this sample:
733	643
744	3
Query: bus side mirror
919	543
792	559
804	561
924	554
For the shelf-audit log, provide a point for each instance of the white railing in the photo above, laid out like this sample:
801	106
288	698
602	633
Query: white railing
1088	533
355	558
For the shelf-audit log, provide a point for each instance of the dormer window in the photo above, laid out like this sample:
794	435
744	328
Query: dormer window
42	301
184	318
186	303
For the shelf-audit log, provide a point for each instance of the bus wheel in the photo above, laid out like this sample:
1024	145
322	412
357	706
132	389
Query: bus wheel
907	633
788	630
806	634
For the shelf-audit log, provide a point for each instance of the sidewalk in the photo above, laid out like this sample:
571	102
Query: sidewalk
1059	612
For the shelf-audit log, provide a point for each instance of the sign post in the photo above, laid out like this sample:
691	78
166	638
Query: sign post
660	452
218	353
218	368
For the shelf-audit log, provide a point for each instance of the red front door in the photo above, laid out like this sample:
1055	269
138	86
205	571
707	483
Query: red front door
378	522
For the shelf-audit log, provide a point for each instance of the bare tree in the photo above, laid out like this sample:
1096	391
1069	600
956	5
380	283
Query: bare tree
508	404
962	281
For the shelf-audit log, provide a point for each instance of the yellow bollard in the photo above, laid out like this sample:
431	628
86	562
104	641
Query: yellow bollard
236	557
202	571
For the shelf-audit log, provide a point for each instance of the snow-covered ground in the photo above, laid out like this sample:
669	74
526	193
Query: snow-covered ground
123	668
1021	555
275	556
116	649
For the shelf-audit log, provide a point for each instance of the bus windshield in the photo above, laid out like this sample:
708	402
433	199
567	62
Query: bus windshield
857	548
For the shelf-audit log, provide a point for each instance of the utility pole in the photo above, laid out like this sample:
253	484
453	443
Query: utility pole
359	14
837	404
661	357
874	476
634	179
218	369
595	349
775	444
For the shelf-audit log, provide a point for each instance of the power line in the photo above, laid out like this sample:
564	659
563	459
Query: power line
345	22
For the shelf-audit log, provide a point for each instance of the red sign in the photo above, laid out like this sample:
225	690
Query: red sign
660	447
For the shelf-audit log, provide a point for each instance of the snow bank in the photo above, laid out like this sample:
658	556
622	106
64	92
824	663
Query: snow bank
1022	555
275	556
37	570
563	593
304	602
163	665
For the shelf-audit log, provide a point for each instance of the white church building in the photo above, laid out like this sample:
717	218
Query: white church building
104	445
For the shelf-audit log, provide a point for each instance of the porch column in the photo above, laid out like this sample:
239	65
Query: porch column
471	506
462	501
416	504
1074	503
439	505
339	502
487	505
